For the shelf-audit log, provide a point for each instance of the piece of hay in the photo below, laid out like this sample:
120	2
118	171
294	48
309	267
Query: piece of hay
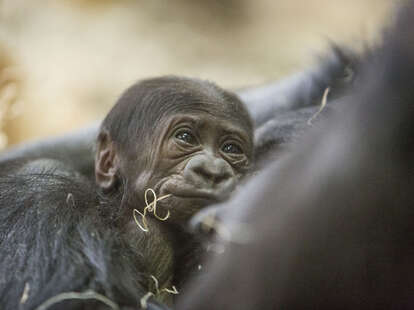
89	294
151	208
322	106
144	299
173	289
70	200
25	294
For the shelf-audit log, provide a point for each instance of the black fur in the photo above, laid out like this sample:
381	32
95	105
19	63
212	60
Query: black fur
50	226
62	233
330	227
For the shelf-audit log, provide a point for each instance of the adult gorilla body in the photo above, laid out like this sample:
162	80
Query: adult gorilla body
188	140
331	226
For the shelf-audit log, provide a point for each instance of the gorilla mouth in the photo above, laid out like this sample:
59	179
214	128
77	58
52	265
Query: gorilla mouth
186	192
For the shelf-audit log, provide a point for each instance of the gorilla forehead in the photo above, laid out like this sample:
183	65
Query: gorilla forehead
170	95
151	102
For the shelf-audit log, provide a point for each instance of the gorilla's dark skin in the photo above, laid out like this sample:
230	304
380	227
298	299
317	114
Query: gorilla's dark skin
61	232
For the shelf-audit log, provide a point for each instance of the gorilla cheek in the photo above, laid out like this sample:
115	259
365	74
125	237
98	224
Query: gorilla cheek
142	182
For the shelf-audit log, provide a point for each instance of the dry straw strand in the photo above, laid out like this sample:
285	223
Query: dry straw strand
323	104
151	207
173	289
70	200
89	294
25	295
144	300
147	296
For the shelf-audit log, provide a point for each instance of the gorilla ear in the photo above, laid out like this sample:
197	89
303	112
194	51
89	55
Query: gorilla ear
106	162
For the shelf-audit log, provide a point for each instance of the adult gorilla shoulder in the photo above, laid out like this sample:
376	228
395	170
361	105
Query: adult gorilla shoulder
187	140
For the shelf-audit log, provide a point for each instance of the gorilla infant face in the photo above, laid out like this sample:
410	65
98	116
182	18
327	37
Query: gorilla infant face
185	138
200	160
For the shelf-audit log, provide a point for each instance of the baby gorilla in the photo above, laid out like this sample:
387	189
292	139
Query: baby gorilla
187	140
177	136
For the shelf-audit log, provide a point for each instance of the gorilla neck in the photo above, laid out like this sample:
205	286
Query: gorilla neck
156	247
167	252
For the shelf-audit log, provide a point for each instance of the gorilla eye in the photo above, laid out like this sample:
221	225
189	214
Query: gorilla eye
231	148
186	136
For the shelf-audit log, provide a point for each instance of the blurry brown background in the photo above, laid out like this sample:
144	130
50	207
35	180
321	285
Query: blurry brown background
64	62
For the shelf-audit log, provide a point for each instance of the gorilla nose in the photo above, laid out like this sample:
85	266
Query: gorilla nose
206	171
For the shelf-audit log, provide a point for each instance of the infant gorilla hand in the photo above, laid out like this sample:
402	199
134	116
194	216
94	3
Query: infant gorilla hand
206	223
208	226
215	227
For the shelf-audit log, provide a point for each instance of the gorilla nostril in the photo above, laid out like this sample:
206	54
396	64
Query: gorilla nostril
223	176
204	173
214	175
205	170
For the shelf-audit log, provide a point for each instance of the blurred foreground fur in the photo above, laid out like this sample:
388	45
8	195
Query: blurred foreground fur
331	227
